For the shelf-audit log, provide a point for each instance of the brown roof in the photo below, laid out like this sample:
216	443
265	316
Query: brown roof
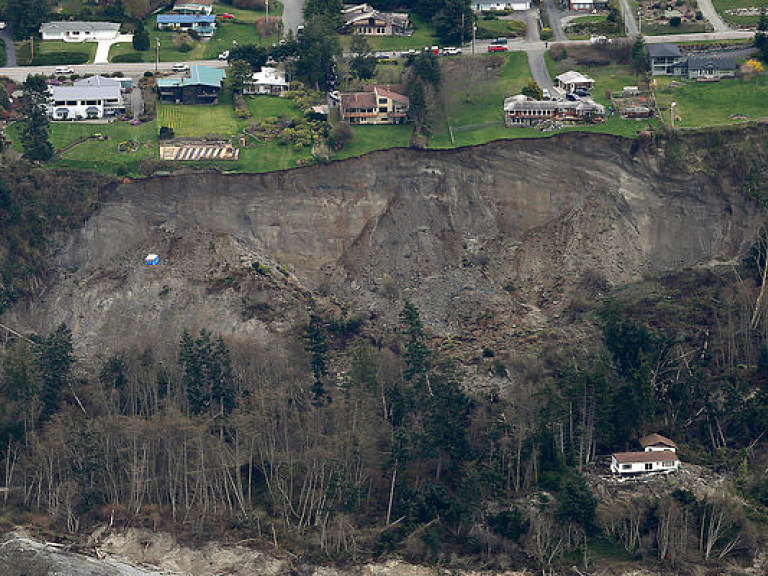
393	95
358	100
654	439
641	457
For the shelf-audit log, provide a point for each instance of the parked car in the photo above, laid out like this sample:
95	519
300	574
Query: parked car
501	40
451	51
433	49
227	16
60	70
224	55
497	48
545	94
572	97
581	93
181	68
2	25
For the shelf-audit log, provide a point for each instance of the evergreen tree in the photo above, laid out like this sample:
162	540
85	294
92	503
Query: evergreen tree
417	354
316	343
363	62
208	379
638	56
25	17
454	22
55	361
317	52
35	137
417	111
141	38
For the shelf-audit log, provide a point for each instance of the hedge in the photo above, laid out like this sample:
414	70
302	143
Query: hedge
128	57
59	58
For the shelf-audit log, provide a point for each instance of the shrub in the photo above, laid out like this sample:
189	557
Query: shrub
558	52
249	4
128	57
141	40
166	133
699	15
58	58
340	136
675	21
185	47
546	34
148	74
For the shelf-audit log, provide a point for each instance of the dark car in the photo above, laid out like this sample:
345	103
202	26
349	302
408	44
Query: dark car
571	97
581	93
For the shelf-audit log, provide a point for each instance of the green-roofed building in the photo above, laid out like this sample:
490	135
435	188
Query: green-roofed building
202	86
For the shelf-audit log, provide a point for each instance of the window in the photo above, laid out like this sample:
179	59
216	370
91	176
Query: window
382	101
668	464
626	466
649	465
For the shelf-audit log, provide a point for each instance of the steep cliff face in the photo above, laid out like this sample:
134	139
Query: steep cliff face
506	228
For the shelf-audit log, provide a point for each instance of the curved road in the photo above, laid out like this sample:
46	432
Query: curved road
629	18
554	21
709	12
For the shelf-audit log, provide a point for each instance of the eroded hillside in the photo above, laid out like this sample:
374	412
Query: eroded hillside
509	227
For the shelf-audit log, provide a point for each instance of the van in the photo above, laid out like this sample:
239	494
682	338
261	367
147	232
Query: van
181	68
60	70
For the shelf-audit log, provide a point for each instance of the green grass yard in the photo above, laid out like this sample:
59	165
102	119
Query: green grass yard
369	138
23	50
701	104
496	28
722	5
665	29
197	121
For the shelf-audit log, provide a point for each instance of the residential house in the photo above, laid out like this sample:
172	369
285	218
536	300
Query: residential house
85	102
202	86
657	443
501	6
363	19
710	67
202	24
378	105
665	60
581	5
627	463
124	84
79	31
268	80
521	110
571	81
193	7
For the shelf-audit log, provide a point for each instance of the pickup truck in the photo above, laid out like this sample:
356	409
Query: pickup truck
497	48
451	51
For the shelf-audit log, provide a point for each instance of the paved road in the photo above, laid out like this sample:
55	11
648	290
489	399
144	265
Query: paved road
538	68
293	15
707	37
10	49
709	12
554	21
630	18
19	74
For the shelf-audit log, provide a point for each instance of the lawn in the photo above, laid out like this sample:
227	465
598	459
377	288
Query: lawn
198	121
702	104
664	29
722	5
248	16
49	47
369	138
423	35
262	107
487	90
497	28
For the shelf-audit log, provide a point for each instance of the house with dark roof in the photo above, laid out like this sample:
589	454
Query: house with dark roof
378	105
202	86
79	31
665	59
363	19
202	24
520	110
710	67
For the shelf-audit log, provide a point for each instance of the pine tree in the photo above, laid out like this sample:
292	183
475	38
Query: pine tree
55	361
316	343
417	355
35	137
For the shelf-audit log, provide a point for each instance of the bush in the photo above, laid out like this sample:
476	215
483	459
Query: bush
699	15
185	47
59	58
340	136
147	74
166	133
128	57
675	21
546	34
249	4
141	40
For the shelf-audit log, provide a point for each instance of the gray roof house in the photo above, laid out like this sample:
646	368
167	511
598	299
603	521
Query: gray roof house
79	31
711	67
664	59
84	102
98	80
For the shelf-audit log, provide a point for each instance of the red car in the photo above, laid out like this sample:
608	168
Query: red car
227	16
497	48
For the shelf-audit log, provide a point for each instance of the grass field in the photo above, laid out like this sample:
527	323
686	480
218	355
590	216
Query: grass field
702	104
369	138
198	121
423	35
23	51
722	5
496	28
262	107
664	29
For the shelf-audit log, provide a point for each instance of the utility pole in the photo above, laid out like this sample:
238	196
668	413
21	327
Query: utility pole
640	22
672	114
474	33
462	29
157	53
31	49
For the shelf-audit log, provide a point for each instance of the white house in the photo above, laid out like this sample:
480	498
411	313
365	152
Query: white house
85	102
267	81
500	6
79	31
625	463
572	80
657	443
193	7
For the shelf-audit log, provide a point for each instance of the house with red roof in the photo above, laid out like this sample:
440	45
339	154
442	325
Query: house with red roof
376	105
659	455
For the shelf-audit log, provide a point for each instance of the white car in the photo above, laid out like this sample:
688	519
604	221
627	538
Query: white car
181	68
224	55
2	25
63	70
451	51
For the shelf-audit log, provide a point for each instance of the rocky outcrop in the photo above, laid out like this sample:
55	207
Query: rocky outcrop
499	233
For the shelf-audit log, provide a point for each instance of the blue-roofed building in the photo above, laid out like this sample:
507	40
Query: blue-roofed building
202	24
202	86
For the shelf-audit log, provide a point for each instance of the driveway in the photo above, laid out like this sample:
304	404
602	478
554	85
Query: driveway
630	20
538	67
554	21
293	15
709	12
102	50
10	49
